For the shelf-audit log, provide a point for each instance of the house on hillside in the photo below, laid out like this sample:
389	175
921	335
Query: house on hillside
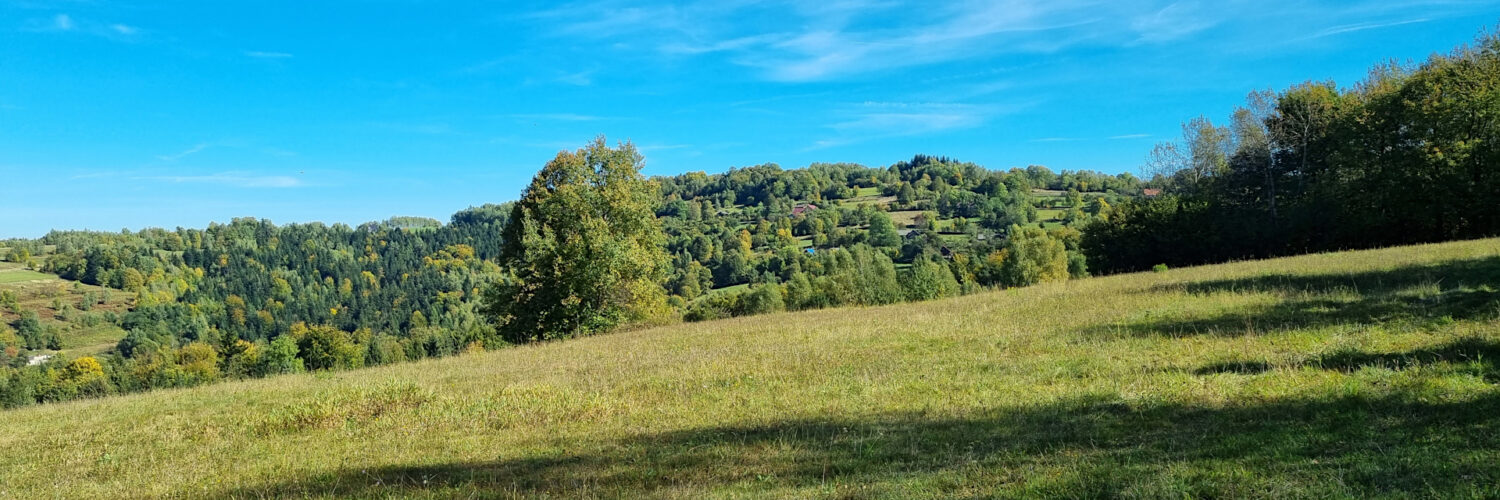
1151	193
803	209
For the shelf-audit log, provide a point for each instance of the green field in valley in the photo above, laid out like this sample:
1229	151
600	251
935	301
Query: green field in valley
20	275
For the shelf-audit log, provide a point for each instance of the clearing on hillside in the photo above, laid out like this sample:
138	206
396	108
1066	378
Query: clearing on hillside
82	316
1356	374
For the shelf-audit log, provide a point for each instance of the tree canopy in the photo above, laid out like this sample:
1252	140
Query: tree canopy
583	249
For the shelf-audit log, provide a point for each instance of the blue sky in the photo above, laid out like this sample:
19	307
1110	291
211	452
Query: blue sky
124	114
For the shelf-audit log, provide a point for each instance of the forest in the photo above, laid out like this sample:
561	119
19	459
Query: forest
251	298
1405	156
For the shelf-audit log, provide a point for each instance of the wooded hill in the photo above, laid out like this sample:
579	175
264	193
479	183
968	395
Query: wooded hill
251	298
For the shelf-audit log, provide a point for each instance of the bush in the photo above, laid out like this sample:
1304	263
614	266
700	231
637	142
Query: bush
1160	268
760	300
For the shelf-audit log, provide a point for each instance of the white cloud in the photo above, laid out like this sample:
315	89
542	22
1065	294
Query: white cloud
1174	22
834	39
1349	28
1129	136
66	23
881	120
267	55
561	117
234	179
647	148
187	152
581	79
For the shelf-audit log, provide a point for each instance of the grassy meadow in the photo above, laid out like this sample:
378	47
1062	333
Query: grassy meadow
60	306
1355	374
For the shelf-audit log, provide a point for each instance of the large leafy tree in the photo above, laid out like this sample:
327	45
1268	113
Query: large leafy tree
583	249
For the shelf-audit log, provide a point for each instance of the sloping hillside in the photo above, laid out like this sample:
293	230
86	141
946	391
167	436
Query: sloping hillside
71	318
1352	374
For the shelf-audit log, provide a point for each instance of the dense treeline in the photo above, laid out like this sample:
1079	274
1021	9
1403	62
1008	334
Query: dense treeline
1407	156
250	299
744	227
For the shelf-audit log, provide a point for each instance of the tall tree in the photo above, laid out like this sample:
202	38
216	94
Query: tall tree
883	231
583	249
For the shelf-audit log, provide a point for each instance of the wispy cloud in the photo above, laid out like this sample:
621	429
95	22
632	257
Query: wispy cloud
258	54
1174	22
436	128
232	179
647	148
841	39
66	23
900	118
185	153
874	120
1350	28
581	78
1128	136
559	117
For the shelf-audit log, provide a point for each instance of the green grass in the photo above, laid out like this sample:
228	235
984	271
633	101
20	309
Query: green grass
19	275
1050	214
92	340
728	289
1339	375
904	218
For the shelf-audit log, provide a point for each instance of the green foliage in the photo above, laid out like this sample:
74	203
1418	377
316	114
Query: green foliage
883	231
328	348
583	249
761	299
1160	268
280	357
929	279
1405	156
1032	256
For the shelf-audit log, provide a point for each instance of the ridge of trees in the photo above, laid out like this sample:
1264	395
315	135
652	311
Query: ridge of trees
250	298
1408	155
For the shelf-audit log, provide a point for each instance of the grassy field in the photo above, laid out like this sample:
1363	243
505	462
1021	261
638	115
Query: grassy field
83	332
1339	375
19	275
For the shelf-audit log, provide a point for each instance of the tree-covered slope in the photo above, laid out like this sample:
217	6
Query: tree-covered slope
252	298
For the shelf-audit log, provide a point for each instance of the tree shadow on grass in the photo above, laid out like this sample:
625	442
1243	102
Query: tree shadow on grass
1464	289
1480	357
1088	447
